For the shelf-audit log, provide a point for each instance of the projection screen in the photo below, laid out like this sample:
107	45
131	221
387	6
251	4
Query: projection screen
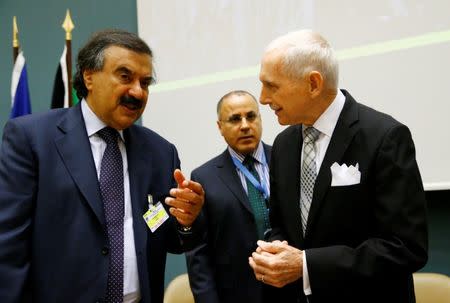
394	56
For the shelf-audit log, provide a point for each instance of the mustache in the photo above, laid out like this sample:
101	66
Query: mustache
128	100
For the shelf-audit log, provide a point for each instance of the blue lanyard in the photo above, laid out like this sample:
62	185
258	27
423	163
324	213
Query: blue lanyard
260	186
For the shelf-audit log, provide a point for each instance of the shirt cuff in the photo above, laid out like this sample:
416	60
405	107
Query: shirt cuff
306	285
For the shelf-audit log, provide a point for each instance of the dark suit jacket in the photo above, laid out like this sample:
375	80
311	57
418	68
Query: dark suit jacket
218	268
53	243
362	241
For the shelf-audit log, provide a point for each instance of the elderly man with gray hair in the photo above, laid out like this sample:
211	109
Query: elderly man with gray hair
347	203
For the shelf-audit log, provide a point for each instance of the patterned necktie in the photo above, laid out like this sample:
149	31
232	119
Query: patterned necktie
111	188
308	173
257	201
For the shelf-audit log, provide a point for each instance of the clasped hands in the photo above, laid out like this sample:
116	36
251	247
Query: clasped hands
276	263
186	200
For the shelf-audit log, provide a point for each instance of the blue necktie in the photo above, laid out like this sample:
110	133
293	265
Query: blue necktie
111	188
257	201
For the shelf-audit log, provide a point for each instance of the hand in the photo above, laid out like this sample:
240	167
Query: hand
276	263
186	201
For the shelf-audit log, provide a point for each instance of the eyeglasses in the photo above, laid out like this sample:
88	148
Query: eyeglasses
236	119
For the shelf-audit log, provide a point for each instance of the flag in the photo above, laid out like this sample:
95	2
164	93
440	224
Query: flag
20	95
60	97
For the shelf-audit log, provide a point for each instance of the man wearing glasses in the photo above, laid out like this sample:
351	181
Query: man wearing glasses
235	213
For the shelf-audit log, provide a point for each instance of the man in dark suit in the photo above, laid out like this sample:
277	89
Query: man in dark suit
75	184
232	220
347	204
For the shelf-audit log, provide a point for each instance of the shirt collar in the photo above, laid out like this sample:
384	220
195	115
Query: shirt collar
257	154
328	120
93	123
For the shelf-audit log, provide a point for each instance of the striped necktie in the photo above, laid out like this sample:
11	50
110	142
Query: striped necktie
308	173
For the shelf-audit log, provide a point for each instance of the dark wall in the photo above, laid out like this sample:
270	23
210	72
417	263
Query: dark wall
439	232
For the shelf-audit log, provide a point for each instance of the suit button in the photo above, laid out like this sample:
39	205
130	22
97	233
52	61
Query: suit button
105	250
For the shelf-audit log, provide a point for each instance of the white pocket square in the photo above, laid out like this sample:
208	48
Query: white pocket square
343	175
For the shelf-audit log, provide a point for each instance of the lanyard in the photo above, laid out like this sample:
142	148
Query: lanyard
260	186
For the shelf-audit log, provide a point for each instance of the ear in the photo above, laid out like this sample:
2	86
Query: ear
87	77
315	83
219	126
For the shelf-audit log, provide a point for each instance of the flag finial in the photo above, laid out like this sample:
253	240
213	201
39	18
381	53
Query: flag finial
68	26
15	33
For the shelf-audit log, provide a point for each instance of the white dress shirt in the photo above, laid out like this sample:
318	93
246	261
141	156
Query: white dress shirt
325	124
131	289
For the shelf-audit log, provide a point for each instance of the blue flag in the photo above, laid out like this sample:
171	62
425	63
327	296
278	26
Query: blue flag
20	95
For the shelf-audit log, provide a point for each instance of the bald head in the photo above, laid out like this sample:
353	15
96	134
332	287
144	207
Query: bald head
233	93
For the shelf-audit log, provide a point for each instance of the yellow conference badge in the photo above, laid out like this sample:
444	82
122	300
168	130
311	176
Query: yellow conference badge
156	214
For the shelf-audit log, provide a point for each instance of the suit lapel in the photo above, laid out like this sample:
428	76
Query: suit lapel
267	152
343	134
75	150
140	168
292	174
140	164
227	173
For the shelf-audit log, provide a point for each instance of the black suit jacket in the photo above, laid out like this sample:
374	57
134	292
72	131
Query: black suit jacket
363	241
53	243
218	268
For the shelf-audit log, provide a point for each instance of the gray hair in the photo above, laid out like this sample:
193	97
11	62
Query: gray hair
305	51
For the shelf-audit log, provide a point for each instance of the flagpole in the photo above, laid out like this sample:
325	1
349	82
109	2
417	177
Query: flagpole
68	26
15	40
20	94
